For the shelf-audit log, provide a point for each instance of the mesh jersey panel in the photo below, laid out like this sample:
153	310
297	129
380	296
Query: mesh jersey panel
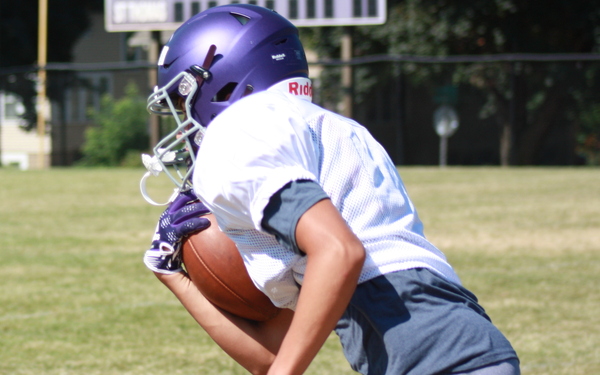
266	140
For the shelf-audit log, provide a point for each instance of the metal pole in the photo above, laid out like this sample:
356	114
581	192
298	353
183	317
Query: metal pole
347	71
443	151
152	81
1	120
400	109
42	59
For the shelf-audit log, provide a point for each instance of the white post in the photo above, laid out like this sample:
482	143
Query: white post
347	72
443	151
41	83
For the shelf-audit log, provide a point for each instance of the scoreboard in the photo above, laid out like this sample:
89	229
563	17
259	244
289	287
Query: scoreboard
149	15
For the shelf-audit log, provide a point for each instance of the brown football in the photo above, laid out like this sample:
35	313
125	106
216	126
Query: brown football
216	268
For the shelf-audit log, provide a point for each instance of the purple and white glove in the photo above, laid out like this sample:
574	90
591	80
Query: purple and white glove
180	219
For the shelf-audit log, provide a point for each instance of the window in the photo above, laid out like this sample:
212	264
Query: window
357	8
293	9
212	4
195	8
13	107
311	11
80	101
372	11
328	8
270	4
178	12
103	86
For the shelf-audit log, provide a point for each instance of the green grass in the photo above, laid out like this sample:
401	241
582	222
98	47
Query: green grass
76	298
527	242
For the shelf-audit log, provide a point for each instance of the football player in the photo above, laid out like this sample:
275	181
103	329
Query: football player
315	206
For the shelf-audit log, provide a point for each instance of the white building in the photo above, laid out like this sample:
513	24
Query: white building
25	150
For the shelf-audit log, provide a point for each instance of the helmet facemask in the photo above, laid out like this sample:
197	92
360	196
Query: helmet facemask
257	48
175	154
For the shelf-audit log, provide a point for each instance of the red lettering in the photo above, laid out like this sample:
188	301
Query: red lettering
300	90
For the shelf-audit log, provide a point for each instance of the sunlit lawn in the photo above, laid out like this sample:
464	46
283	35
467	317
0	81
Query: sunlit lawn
76	298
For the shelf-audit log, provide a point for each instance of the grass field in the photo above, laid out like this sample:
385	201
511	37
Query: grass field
76	299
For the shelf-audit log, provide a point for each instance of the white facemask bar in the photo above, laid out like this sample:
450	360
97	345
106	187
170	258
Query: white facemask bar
147	197
170	156
174	154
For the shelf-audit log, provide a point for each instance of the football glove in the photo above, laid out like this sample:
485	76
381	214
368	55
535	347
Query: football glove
182	218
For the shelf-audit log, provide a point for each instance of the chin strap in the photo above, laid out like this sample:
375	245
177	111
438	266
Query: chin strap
154	169
147	196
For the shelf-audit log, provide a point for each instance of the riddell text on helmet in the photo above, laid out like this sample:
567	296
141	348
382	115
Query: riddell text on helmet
295	88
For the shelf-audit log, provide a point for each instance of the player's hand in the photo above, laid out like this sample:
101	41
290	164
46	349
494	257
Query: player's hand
182	218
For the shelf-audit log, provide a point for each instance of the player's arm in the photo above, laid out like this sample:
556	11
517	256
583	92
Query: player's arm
288	343
252	344
335	260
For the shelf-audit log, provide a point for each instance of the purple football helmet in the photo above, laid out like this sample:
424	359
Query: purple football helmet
212	60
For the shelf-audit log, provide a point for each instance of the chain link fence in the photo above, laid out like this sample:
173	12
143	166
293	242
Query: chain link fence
512	109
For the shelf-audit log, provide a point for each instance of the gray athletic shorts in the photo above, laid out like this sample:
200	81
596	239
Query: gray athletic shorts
416	322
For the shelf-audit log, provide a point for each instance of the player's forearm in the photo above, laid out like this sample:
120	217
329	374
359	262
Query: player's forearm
323	299
330	283
253	345
335	260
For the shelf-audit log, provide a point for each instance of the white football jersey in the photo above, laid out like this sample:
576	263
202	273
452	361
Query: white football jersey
262	142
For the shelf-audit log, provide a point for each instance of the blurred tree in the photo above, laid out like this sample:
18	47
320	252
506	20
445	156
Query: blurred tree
122	128
67	21
589	136
482	27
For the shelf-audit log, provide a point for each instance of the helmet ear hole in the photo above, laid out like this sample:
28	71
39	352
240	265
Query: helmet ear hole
225	92
232	50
